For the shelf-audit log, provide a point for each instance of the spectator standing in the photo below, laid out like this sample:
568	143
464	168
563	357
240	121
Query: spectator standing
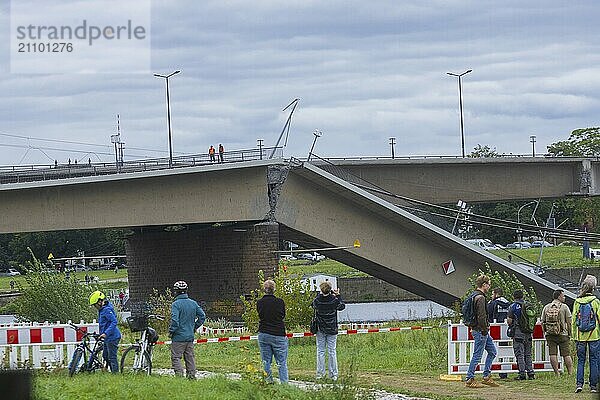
221	152
326	305
186	317
586	332
521	340
480	332
211	153
497	310
108	329
556	324
272	340
121	297
12	285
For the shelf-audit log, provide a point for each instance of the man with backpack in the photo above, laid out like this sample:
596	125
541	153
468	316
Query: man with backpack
497	310
475	316
586	332
556	324
521	320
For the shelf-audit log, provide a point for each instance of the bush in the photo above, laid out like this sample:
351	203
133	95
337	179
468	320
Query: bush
294	292
52	297
509	283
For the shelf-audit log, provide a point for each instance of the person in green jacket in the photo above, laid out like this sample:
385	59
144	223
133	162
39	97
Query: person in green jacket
586	332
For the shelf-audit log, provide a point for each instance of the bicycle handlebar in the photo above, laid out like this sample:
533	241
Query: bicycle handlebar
86	334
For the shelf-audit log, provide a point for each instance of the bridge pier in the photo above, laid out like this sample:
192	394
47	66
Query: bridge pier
219	263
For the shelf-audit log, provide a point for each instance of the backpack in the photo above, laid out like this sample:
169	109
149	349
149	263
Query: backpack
468	310
586	318
552	321
528	318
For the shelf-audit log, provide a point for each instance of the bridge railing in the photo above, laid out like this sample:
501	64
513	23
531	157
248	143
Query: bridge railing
32	173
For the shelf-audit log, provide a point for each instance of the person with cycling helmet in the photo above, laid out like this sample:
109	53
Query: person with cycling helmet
186	317
108	330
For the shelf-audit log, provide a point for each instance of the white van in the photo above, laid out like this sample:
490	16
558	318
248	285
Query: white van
485	244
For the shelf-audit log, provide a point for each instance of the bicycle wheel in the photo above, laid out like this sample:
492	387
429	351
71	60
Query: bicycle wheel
136	362
75	361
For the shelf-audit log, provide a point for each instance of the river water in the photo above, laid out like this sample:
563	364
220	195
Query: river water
370	312
388	311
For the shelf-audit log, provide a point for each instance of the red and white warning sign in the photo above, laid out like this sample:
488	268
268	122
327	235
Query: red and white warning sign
448	267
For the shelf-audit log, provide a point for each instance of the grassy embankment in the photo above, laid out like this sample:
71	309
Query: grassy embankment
403	362
102	275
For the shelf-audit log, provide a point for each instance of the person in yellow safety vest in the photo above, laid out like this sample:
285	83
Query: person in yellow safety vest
211	153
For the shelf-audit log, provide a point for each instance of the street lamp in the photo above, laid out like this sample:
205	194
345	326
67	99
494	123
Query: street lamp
392	144
317	134
532	140
260	146
519	232
166	78
462	128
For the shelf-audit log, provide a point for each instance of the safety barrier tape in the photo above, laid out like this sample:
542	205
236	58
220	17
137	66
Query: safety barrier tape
306	334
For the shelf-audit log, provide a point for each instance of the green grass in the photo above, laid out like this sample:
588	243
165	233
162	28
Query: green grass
327	266
53	386
552	257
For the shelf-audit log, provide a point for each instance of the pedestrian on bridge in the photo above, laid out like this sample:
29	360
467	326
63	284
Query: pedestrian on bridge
211	153
326	306
272	340
221	152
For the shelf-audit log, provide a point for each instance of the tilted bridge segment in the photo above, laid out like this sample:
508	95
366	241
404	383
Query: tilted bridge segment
227	221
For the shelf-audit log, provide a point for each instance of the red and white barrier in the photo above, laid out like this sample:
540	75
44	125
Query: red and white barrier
35	345
307	334
461	346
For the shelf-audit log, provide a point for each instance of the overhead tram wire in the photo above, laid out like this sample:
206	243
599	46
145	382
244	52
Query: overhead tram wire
78	143
523	226
371	187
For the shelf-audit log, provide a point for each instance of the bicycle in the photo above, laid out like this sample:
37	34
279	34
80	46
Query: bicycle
137	358
91	355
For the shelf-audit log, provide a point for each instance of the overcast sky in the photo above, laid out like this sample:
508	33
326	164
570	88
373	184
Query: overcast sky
364	71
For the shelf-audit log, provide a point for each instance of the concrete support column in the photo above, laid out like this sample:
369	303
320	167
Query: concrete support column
219	263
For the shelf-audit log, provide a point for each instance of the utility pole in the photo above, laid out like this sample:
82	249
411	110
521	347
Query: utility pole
317	134
116	139
532	140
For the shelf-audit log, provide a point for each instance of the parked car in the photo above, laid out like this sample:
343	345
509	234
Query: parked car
485	244
9	272
316	257
540	243
518	245
288	257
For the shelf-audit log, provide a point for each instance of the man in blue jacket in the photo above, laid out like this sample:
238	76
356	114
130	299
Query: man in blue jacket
186	317
109	332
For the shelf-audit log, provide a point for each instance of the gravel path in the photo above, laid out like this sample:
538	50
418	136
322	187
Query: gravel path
379	394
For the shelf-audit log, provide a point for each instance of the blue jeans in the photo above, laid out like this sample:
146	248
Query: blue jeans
581	350
481	343
329	341
109	353
274	346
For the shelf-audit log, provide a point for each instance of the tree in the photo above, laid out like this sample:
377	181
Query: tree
483	152
295	293
581	143
52	297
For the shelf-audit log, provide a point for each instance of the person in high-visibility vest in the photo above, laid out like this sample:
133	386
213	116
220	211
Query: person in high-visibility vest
211	153
221	151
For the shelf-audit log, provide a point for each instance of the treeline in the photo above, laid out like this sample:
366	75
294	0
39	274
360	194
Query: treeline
14	247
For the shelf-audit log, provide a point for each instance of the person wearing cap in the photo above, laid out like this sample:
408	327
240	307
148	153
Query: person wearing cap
108	329
186	317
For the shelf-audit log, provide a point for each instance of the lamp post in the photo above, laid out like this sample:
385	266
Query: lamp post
462	128
519	232
392	144
260	146
166	78
317	134
532	140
